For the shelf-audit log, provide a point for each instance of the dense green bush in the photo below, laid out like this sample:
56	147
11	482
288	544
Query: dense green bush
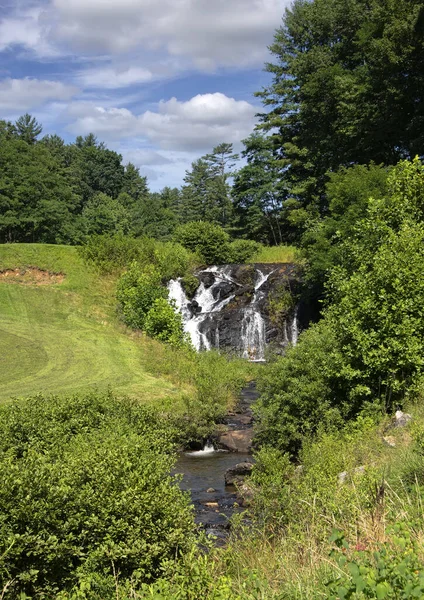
110	254
137	291
242	251
393	570
86	493
143	304
208	240
173	260
165	324
300	390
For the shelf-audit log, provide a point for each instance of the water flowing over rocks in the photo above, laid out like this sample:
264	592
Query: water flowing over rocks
232	309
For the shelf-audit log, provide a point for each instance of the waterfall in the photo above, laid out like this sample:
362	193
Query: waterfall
241	328
205	299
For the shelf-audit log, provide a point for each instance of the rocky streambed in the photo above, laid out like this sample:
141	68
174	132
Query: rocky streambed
210	474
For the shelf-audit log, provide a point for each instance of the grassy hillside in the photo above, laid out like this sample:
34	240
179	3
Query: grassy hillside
64	337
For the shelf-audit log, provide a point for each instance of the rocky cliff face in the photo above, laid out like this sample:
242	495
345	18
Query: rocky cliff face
242	308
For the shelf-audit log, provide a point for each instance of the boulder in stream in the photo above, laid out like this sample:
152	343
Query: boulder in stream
236	441
237	473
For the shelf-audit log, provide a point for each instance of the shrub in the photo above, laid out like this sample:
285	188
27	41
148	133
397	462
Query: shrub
242	251
86	492
137	291
110	254
208	240
173	260
165	324
300	390
393	570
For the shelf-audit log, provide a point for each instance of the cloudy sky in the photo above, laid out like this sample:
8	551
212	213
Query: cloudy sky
161	81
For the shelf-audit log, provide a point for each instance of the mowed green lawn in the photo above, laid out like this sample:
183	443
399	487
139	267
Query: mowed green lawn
63	338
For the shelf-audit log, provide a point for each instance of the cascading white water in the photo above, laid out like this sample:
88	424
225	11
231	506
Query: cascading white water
206	301
253	325
203	324
207	450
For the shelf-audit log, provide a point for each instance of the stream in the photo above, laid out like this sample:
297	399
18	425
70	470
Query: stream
203	473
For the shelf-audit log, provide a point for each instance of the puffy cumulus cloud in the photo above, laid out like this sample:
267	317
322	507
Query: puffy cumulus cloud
24	94
195	125
207	33
108	123
199	123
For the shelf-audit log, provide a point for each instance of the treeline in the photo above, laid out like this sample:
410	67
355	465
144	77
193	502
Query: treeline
347	90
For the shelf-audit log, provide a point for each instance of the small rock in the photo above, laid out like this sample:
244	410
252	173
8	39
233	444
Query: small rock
343	476
390	441
360	470
210	491
237	473
211	504
401	419
245	494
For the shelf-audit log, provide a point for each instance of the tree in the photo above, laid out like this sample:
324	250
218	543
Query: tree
348	192
257	192
104	215
206	195
134	184
347	88
28	128
222	161
378	293
36	202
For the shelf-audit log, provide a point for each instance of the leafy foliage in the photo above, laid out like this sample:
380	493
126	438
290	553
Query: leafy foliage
343	73
137	291
207	240
392	571
86	493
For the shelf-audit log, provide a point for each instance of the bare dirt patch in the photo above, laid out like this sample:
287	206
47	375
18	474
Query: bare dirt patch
30	276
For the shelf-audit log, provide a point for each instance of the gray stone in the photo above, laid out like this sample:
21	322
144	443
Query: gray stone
237	473
343	476
236	441
401	419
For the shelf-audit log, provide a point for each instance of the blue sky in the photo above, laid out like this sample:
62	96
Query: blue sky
160	81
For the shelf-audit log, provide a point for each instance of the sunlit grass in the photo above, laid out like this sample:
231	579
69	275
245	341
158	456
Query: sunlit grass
66	337
277	254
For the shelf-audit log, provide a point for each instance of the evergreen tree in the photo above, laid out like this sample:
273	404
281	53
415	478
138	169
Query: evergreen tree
258	197
347	88
28	128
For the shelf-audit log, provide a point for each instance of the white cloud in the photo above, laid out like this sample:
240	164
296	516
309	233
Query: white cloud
207	33
113	77
28	27
222	32
24	94
143	157
195	125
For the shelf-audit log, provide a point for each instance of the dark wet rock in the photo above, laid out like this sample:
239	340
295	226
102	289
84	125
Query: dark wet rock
194	307
226	329
223	290
237	473
207	278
